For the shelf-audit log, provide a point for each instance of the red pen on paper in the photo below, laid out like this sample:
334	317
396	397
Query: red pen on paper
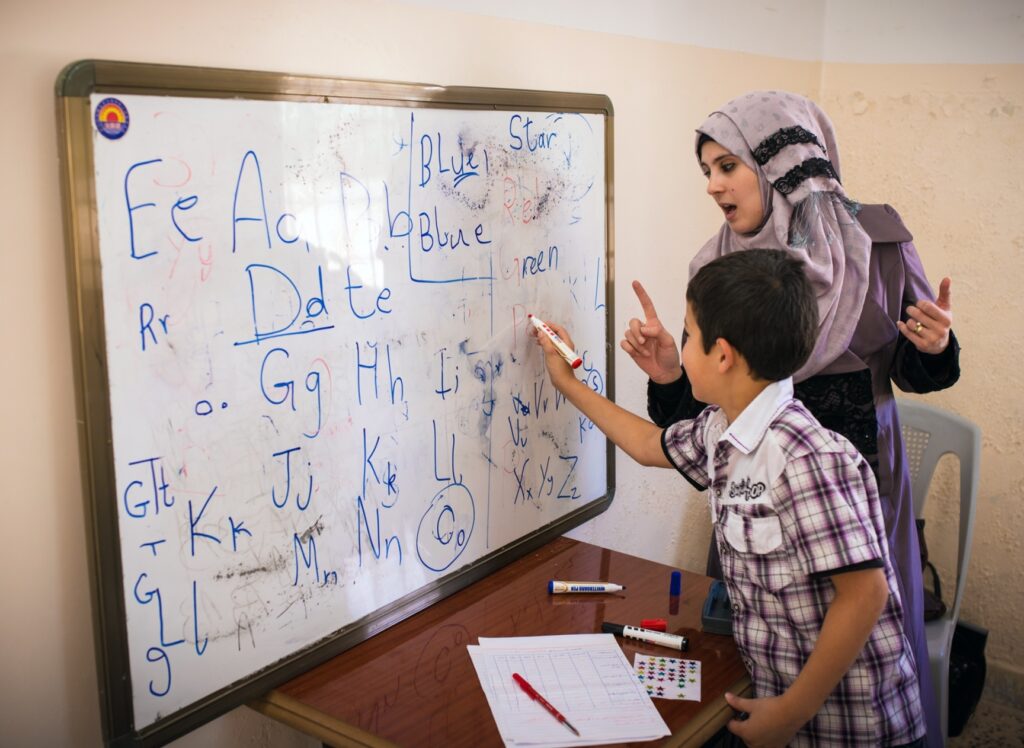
532	693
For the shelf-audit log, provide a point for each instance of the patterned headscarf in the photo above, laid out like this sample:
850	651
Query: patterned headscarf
790	143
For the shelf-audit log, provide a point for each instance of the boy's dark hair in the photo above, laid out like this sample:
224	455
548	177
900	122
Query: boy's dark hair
761	301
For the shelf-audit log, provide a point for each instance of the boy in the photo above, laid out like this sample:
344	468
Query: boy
816	612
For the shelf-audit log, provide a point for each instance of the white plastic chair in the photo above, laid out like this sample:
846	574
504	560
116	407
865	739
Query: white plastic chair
928	434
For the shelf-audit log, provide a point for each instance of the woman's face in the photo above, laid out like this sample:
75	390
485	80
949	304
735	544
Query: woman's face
733	185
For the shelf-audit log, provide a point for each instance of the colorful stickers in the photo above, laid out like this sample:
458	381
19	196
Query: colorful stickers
668	678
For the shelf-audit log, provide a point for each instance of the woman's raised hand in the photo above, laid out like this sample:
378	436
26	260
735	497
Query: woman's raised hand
929	322
649	344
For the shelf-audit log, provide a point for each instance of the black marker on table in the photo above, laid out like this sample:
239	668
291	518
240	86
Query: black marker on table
647	635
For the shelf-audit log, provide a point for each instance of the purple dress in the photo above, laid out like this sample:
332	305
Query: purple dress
853	396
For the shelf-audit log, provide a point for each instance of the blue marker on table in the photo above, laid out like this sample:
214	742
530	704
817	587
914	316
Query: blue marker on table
556	588
675	586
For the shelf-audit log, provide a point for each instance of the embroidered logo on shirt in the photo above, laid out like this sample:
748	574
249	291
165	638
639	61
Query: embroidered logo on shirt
749	491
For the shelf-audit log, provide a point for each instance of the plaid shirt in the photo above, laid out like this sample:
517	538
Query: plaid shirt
792	504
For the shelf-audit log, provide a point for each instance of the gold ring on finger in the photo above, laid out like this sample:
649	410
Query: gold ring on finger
918	327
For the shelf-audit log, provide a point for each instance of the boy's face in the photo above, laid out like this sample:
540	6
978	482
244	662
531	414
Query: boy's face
701	368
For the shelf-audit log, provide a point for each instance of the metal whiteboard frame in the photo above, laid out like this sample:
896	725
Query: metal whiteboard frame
74	86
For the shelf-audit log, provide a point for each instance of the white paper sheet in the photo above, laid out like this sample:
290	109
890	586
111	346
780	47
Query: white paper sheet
587	678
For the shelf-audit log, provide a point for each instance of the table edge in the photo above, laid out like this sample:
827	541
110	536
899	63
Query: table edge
336	732
332	731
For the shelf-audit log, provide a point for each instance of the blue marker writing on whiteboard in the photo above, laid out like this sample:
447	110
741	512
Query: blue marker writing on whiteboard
563	350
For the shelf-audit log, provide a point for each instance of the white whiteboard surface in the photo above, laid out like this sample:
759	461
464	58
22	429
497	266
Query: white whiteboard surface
323	396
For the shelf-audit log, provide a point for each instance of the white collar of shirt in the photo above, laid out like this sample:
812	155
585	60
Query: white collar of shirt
750	426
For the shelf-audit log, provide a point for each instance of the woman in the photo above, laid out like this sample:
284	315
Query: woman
772	166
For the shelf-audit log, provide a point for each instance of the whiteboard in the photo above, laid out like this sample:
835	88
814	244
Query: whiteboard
319	389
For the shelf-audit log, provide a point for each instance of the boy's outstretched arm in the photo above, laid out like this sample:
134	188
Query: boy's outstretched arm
637	437
860	598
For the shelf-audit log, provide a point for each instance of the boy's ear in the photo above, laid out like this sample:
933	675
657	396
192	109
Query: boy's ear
728	356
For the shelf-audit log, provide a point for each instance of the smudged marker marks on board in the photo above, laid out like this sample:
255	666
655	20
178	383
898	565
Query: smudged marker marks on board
487	366
525	204
242	572
317	527
301	595
244	624
271	566
111	118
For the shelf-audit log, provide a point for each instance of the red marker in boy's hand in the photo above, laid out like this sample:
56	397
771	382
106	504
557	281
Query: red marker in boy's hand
564	350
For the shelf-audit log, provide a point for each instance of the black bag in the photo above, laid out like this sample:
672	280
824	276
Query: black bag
933	605
966	674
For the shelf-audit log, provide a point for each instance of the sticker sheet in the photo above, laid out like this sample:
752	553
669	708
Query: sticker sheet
668	678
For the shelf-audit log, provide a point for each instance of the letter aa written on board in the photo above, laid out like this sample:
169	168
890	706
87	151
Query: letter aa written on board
250	178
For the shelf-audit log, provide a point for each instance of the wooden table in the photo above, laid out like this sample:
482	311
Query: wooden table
414	683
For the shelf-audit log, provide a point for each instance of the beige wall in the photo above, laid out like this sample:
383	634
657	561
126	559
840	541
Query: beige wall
945	145
660	91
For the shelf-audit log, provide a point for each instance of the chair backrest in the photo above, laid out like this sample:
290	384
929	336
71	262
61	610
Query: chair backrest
928	434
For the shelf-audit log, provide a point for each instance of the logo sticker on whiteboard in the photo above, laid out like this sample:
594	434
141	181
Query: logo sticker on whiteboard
111	118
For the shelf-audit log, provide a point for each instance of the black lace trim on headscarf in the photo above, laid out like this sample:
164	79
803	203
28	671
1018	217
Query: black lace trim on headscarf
780	139
812	167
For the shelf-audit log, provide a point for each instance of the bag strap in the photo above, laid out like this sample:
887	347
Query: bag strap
927	565
921	543
936	582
